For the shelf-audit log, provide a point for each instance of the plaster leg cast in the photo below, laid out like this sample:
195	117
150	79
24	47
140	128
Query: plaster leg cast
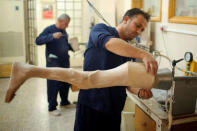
128	74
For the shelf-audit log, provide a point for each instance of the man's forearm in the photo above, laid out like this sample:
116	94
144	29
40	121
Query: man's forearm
42	39
122	48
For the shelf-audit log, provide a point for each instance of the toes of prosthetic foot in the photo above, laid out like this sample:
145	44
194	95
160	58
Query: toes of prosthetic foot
9	96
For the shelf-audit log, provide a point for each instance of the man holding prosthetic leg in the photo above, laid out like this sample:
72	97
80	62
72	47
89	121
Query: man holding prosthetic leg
106	74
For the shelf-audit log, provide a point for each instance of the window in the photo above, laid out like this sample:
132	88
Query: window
183	11
74	9
153	7
31	31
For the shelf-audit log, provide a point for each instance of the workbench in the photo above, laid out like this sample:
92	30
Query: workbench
149	116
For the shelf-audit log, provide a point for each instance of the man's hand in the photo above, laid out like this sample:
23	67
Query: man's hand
150	63
57	35
144	93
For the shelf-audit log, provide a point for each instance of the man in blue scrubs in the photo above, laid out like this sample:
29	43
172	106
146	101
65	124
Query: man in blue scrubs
56	39
100	109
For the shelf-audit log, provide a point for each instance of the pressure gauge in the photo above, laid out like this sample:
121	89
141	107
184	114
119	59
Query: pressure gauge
188	56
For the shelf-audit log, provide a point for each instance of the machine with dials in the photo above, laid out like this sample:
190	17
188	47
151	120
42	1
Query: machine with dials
185	90
191	65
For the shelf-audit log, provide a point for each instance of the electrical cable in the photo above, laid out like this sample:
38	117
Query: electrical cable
97	12
164	42
157	53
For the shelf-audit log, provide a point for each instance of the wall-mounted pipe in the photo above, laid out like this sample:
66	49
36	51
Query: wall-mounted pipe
179	31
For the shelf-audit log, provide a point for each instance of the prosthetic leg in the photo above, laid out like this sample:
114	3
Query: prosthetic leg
128	74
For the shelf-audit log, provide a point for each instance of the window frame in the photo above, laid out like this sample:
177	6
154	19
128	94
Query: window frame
73	19
178	19
139	5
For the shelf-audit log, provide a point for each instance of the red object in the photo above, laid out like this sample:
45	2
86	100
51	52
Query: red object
47	14
161	28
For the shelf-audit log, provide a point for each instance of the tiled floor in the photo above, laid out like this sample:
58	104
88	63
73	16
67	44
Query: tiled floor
28	111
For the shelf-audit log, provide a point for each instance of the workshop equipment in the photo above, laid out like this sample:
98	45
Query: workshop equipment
184	96
191	65
164	79
185	90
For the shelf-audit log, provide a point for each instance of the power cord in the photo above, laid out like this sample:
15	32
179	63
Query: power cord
97	12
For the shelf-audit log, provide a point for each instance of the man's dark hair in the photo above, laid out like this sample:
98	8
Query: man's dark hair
135	11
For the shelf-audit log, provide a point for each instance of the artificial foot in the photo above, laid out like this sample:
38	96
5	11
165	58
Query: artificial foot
17	78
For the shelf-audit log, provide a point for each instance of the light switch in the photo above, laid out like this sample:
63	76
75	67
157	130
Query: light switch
16	7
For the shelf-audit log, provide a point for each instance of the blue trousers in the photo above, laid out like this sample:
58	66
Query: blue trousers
88	119
53	87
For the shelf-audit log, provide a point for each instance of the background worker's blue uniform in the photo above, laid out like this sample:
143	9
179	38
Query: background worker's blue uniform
56	56
100	109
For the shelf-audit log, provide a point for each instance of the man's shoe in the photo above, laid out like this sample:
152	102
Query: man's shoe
75	102
55	113
66	106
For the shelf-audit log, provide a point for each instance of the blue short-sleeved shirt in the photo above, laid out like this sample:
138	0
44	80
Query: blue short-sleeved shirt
97	57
